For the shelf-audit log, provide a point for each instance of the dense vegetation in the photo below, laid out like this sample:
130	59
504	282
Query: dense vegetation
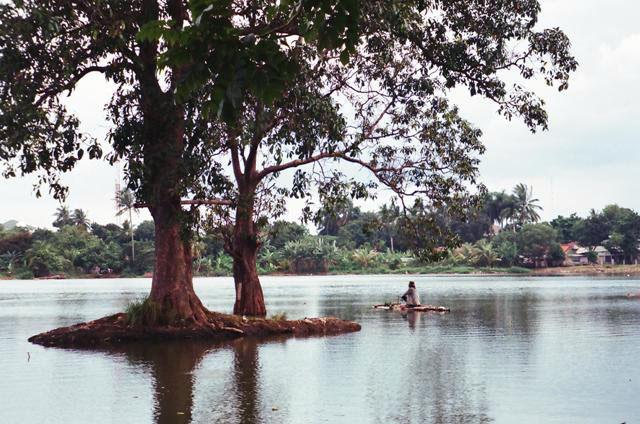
503	233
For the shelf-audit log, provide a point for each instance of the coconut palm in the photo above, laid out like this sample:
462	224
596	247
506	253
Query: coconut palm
80	219
126	201
526	207
63	217
389	216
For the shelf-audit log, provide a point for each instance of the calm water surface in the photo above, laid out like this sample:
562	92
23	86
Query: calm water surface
513	350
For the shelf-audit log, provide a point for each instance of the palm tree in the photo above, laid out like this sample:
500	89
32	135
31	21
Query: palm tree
526	207
364	257
80	219
63	217
509	216
126	203
389	216
268	258
466	254
485	255
497	207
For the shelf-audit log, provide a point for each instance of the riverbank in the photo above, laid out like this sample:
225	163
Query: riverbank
589	271
421	270
585	270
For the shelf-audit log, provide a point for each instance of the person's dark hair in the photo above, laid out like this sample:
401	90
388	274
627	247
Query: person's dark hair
412	284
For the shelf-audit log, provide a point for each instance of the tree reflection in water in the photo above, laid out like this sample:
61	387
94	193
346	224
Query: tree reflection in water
173	367
246	369
171	364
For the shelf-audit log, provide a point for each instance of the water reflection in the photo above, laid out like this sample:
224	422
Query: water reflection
233	396
427	377
412	318
171	365
246	369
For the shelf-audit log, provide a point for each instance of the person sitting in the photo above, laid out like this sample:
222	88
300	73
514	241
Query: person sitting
411	297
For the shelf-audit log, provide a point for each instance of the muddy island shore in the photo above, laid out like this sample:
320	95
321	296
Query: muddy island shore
115	330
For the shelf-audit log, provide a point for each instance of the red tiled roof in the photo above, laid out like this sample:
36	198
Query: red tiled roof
568	246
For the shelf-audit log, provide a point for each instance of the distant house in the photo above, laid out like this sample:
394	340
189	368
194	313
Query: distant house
578	255
574	254
621	257
603	256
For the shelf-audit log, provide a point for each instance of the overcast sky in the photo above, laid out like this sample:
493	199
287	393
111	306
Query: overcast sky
587	159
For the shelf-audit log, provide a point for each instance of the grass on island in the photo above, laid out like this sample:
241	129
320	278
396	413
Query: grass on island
143	311
279	316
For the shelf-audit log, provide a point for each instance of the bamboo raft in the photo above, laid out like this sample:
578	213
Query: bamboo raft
403	308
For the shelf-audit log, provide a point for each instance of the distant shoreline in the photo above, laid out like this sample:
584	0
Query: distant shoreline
589	270
444	271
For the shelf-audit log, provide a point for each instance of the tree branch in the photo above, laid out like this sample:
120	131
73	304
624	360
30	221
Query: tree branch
69	85
196	202
235	159
250	163
295	163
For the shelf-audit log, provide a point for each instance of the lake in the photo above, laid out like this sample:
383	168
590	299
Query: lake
512	350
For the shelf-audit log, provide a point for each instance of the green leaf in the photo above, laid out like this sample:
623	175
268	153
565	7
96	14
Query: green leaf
344	57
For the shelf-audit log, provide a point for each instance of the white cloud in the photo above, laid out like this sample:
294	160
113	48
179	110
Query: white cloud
623	59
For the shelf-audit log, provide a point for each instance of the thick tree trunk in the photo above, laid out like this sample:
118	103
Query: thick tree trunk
161	177
249	297
172	286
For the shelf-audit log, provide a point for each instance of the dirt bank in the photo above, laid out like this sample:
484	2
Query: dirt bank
590	270
114	329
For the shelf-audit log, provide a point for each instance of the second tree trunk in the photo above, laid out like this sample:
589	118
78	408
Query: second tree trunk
249	297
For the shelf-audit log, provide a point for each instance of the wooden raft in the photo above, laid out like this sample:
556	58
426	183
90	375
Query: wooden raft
402	307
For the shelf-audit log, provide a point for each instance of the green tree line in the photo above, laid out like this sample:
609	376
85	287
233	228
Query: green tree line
504	231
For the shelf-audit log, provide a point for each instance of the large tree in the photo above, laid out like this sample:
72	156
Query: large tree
325	109
46	49
566	227
272	87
